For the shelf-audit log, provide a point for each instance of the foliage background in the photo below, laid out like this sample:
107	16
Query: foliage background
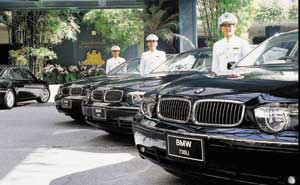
123	27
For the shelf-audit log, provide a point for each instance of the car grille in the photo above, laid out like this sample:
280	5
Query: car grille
174	109
77	91
113	96
218	113
97	95
65	91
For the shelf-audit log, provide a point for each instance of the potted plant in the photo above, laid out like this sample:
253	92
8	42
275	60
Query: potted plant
271	14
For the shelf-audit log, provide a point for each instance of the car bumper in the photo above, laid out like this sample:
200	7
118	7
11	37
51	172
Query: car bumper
110	118
239	155
70	105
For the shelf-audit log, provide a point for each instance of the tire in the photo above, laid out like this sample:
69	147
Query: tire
45	96
9	99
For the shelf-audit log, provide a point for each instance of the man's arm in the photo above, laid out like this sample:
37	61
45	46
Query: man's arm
107	66
142	65
215	61
164	57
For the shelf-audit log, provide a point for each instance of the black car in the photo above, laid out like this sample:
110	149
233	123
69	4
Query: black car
112	106
19	84
70	95
242	127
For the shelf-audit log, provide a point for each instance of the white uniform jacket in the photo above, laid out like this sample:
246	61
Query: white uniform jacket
113	62
151	60
228	50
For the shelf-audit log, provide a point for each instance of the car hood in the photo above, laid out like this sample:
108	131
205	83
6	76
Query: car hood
148	83
85	82
245	89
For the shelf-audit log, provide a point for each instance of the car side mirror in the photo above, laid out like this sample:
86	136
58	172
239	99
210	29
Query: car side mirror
230	65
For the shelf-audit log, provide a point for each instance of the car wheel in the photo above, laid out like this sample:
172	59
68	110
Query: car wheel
9	99
45	96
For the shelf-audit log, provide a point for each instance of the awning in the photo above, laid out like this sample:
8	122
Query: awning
66	4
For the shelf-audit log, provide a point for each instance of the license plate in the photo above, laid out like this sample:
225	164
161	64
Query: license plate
185	147
99	113
67	103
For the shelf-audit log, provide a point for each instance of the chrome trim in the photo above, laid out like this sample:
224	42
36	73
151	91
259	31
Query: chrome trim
104	96
122	107
168	119
217	125
92	95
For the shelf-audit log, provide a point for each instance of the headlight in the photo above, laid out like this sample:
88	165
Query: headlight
136	97
277	117
147	107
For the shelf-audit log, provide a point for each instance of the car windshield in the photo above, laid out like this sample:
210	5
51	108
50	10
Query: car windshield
128	67
279	49
1	71
198	60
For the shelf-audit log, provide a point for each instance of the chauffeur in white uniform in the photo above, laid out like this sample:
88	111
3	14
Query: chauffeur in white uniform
151	59
115	60
231	48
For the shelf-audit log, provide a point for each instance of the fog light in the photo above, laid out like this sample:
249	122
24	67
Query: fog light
142	149
291	180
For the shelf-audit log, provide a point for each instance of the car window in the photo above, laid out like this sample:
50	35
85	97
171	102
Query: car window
26	74
276	52
193	60
204	61
129	67
17	74
273	51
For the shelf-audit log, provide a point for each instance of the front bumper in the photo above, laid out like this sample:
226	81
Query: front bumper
113	118
236	155
70	105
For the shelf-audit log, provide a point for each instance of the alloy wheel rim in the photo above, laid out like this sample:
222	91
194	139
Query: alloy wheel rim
10	99
45	95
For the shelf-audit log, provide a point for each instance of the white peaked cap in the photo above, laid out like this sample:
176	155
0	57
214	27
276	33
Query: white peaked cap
152	37
228	18
114	48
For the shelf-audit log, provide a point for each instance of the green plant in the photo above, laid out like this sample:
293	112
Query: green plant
58	27
210	11
293	12
270	13
56	74
32	32
18	57
161	21
123	27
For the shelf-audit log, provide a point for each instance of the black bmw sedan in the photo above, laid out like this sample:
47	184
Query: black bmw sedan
241	127
111	107
70	95
19	84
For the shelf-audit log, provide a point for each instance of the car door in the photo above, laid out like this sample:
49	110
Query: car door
20	84
33	85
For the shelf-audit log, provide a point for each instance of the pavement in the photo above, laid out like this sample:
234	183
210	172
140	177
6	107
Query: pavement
40	146
53	91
